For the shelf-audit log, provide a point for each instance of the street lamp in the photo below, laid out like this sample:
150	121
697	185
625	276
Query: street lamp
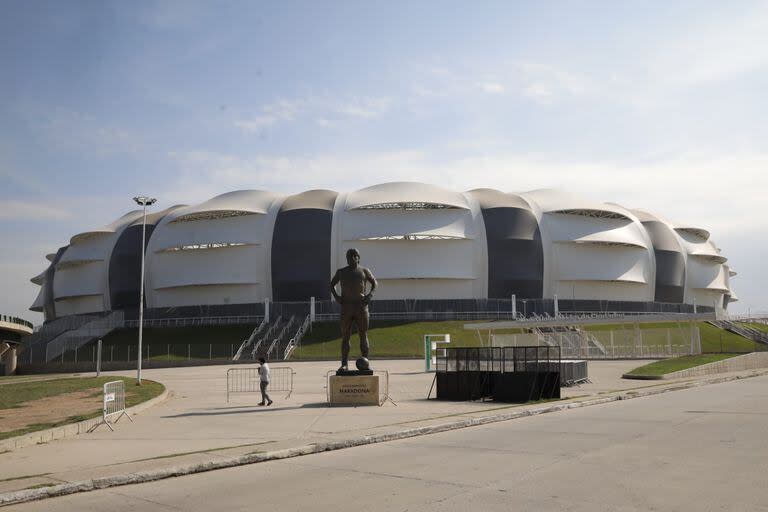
144	202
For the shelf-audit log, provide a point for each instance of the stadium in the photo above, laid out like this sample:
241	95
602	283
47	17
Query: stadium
433	250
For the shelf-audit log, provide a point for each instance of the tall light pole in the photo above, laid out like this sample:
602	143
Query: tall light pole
144	202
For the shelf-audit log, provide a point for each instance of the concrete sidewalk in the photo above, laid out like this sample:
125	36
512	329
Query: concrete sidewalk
196	429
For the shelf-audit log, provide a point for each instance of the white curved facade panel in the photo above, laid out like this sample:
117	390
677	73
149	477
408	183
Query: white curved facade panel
576	262
242	229
598	290
706	279
412	250
245	201
703	275
366	224
80	283
701	248
405	192
685	229
231	265
592	250
107	230
552	200
221	258
39	301
77	280
39	279
425	289
420	241
708	298
728	273
578	228
696	244
79	305
403	259
92	249
197	295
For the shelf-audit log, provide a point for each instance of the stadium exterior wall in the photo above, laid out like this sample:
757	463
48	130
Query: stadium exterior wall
423	242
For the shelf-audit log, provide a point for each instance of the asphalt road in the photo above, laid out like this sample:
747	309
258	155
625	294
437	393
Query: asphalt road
700	449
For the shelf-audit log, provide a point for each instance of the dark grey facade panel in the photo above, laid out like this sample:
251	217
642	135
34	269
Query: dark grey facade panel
670	276
49	305
301	255
125	267
515	254
511	224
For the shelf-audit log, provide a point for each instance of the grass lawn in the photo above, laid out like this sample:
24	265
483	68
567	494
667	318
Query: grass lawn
200	335
676	364
713	339
15	396
171	343
388	338
405	339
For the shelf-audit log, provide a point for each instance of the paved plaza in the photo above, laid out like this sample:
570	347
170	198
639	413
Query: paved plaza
195	425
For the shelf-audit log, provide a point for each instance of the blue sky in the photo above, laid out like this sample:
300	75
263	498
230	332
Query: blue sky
656	105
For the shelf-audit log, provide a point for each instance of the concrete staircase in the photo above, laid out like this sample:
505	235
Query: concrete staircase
76	338
742	330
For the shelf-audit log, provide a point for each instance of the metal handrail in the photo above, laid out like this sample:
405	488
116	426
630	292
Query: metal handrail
246	343
266	335
280	336
296	340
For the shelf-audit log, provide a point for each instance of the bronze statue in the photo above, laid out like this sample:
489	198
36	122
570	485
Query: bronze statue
354	305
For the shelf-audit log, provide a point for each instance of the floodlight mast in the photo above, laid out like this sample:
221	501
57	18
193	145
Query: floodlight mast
142	201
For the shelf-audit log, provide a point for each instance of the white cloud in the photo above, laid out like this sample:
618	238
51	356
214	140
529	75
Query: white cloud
687	189
545	83
326	112
79	131
256	124
18	210
713	48
366	108
172	14
271	114
492	87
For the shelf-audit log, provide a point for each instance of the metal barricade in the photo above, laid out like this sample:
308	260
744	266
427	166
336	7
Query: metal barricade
247	380
113	404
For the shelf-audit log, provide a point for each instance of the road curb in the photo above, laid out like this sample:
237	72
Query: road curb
16	497
71	430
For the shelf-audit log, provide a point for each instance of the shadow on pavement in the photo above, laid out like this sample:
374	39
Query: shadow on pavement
248	409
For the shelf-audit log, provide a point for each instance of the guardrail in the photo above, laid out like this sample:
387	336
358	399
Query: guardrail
16	320
193	321
428	315
248	380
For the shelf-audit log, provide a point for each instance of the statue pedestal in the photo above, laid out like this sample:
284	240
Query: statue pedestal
354	389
